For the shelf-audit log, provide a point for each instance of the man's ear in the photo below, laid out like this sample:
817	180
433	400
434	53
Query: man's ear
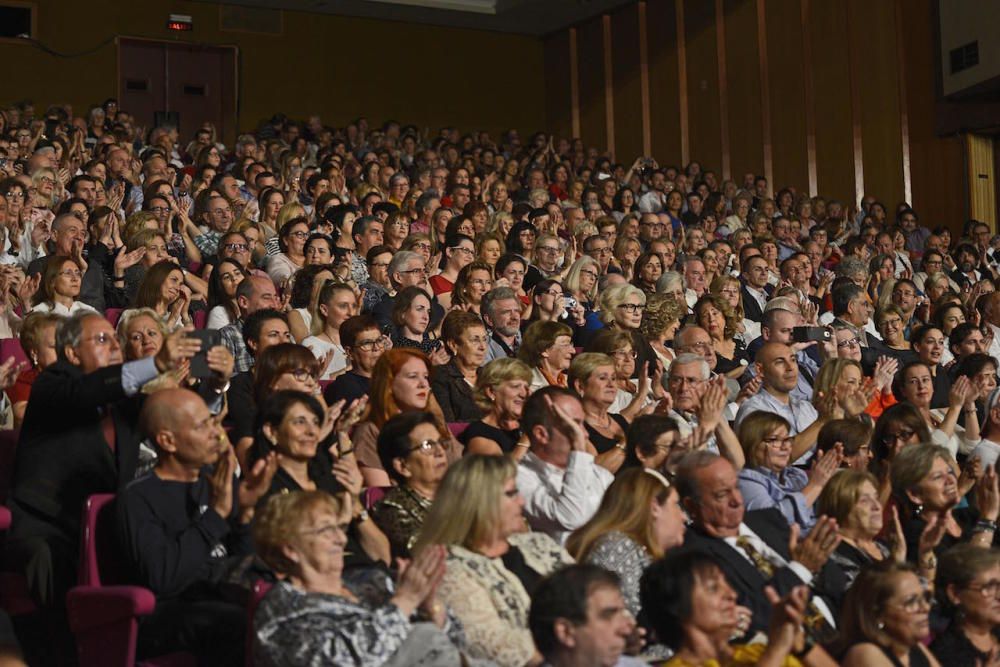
565	632
541	434
71	355
165	440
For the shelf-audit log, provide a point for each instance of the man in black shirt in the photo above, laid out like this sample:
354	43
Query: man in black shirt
364	344
185	525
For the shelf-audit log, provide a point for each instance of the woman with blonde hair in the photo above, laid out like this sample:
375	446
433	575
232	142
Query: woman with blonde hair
728	287
622	308
581	282
492	562
639	519
489	248
501	391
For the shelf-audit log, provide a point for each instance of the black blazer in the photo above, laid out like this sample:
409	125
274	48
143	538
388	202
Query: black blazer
769	524
456	397
62	456
751	309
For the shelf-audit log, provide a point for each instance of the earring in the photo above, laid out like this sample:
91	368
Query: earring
881	625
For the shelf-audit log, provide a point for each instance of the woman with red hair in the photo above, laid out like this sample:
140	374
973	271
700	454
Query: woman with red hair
401	382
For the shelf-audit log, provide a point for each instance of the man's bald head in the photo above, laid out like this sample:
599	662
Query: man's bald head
769	351
165	410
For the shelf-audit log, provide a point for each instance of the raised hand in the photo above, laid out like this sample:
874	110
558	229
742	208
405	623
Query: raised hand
9	371
569	426
987	495
713	402
176	348
787	615
961	391
885	371
419	578
256	482
931	535
814	550
351	415
124	260
750	388
347	472
898	537
221	484
826	465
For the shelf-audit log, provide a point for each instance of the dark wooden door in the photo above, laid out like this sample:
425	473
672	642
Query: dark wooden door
198	83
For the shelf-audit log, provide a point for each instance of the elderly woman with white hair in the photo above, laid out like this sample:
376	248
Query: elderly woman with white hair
622	307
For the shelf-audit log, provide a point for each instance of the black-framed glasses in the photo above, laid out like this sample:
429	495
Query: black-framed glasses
632	307
902	435
372	345
237	247
303	374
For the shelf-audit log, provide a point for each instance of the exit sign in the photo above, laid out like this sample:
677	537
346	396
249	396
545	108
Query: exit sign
180	22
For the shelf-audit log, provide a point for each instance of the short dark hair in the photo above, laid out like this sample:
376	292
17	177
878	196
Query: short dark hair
354	326
255	321
666	589
536	409
643	433
960	333
271	410
404	299
393	440
843	295
564	594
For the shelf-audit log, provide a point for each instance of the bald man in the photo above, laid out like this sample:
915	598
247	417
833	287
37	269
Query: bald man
185	525
777	364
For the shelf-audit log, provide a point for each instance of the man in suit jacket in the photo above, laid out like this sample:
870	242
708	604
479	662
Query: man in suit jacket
79	438
708	487
755	289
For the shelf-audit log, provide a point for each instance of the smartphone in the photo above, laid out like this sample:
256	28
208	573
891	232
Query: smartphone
810	334
199	363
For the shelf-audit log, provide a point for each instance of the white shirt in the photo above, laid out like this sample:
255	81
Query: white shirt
320	348
987	452
557	500
760	296
652	202
994	350
59	309
778	560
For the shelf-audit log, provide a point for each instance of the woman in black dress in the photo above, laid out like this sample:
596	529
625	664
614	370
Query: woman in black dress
501	390
592	377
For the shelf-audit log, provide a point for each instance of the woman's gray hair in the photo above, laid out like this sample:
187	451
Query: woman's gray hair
668	281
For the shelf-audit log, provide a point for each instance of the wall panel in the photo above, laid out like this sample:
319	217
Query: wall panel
788	127
663	81
590	54
557	84
703	83
339	67
878	81
831	75
745	140
627	92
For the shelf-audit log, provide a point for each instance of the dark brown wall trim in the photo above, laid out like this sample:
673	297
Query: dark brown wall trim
904	122
720	40
647	138
682	88
609	84
765	95
855	94
574	83
810	101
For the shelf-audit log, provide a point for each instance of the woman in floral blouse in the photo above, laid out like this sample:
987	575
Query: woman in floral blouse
312	618
411	452
493	564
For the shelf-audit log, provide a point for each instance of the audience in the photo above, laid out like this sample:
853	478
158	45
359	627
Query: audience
594	335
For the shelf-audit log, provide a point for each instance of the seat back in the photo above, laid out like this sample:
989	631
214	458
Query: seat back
371	496
8	447
457	428
113	315
260	589
11	347
101	561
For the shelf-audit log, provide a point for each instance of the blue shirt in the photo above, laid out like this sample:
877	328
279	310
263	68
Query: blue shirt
763	489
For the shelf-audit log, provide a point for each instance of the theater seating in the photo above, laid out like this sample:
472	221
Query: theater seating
103	616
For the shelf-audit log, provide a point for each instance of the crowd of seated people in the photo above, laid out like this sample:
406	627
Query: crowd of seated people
371	396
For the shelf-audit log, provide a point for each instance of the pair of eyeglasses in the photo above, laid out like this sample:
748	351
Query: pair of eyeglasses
902	436
236	247
465	250
372	345
421	271
159	209
778	442
71	273
427	446
303	374
850	342
632	307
